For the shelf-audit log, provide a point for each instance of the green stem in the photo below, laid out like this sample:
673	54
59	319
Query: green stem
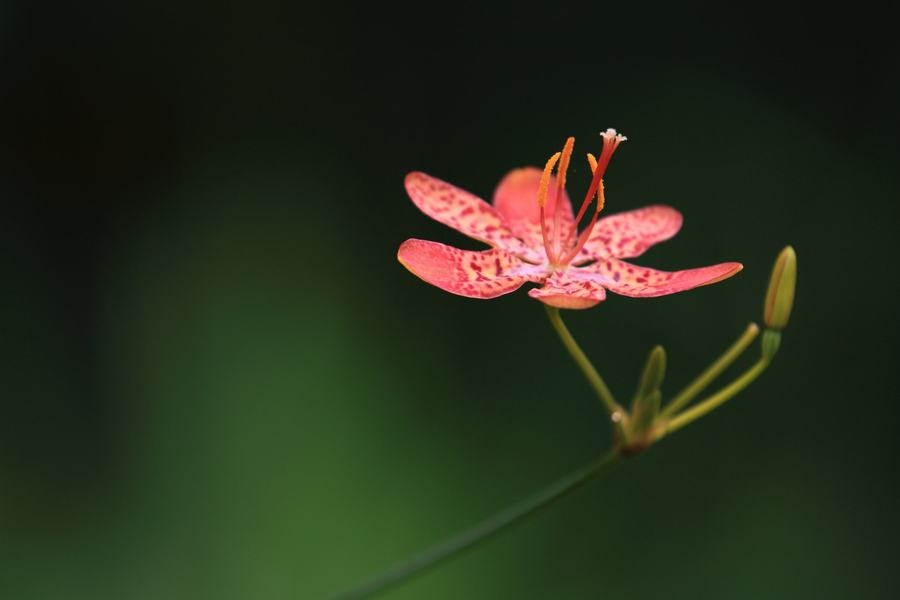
714	370
584	363
490	527
718	398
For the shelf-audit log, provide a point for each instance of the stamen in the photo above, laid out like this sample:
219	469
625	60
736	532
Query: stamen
560	189
545	179
601	199
542	201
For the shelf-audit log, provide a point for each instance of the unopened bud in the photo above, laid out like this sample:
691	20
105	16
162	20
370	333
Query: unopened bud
654	372
780	297
647	400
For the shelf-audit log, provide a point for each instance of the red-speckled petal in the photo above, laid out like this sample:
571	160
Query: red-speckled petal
569	290
640	282
630	234
516	199
465	213
485	274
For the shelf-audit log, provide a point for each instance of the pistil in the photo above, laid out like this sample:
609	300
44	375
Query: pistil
611	141
553	240
586	234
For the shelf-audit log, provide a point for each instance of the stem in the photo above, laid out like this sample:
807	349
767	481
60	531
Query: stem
488	528
584	363
713	371
718	398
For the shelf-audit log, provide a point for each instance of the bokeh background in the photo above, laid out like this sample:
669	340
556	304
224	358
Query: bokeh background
219	383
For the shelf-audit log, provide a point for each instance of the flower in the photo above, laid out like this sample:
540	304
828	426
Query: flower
534	238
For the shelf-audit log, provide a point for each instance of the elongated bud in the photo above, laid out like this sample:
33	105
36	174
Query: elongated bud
645	407
654	372
780	297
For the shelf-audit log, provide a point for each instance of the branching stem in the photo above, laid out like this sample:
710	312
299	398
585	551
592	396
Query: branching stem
714	370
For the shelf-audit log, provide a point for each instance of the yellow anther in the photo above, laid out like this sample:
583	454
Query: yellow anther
564	163
545	179
592	160
560	191
601	197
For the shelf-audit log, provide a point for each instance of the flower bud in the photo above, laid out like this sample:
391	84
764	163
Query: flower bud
646	403
780	297
654	372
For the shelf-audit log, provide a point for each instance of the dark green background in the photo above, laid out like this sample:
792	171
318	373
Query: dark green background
219	383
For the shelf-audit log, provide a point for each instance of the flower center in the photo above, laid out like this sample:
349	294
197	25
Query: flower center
562	249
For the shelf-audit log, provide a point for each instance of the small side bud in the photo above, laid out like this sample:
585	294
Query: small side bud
645	407
780	297
654	372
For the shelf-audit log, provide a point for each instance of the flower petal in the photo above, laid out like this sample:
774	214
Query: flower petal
630	234
516	199
640	282
485	274
464	212
569	290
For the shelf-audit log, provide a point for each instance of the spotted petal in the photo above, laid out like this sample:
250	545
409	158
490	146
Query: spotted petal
516	199
641	282
630	234
570	290
464	212
485	274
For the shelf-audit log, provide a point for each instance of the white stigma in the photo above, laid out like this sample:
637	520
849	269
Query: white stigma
611	135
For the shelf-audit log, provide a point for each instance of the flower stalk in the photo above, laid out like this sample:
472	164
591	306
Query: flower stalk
584	363
470	538
705	378
719	398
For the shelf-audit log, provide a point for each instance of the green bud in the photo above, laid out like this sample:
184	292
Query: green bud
654	372
780	297
646	403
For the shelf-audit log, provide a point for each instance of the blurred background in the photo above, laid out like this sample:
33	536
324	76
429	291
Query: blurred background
219	383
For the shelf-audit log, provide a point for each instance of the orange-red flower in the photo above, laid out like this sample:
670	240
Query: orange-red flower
534	237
